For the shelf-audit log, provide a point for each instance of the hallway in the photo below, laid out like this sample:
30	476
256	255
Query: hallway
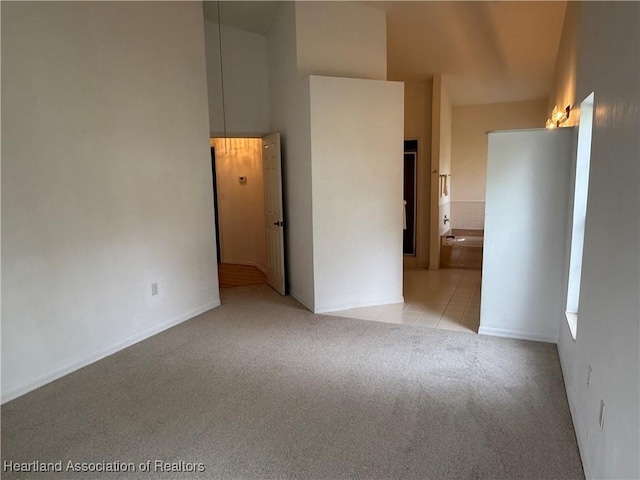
231	275
446	299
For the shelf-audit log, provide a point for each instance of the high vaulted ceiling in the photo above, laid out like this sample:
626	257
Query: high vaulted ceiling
498	51
253	16
489	51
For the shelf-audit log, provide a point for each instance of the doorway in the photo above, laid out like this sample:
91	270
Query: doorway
409	190
246	172
215	202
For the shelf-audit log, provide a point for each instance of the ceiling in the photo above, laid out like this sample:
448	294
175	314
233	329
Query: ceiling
489	51
253	16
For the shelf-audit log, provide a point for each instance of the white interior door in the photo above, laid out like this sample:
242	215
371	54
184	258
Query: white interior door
272	165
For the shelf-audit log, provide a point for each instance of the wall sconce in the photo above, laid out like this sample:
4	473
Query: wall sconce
558	117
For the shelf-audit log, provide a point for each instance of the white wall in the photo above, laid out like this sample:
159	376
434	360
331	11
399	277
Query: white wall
563	88
528	175
298	44
106	181
289	115
417	126
241	217
605	38
341	39
469	152
446	135
356	156
442	118
469	140
246	88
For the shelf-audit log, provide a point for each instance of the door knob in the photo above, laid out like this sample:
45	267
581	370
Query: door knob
278	224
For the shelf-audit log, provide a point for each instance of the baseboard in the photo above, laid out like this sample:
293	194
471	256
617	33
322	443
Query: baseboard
508	333
250	264
94	357
350	305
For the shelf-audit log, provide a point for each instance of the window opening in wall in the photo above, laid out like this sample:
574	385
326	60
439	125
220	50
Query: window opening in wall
581	190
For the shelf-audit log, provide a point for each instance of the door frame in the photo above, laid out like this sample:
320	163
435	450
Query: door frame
214	177
217	222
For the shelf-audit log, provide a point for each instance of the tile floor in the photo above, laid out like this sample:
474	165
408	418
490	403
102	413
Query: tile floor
447	299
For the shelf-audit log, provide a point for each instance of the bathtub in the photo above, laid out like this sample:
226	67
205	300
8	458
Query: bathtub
462	249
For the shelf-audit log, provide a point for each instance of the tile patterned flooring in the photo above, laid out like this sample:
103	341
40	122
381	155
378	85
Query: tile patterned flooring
446	299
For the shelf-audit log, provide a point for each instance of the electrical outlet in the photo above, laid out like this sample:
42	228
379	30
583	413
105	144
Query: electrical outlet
589	376
154	289
601	414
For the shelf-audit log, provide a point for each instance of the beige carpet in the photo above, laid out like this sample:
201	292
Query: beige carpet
261	388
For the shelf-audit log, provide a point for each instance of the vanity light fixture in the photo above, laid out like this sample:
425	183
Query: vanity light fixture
558	117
